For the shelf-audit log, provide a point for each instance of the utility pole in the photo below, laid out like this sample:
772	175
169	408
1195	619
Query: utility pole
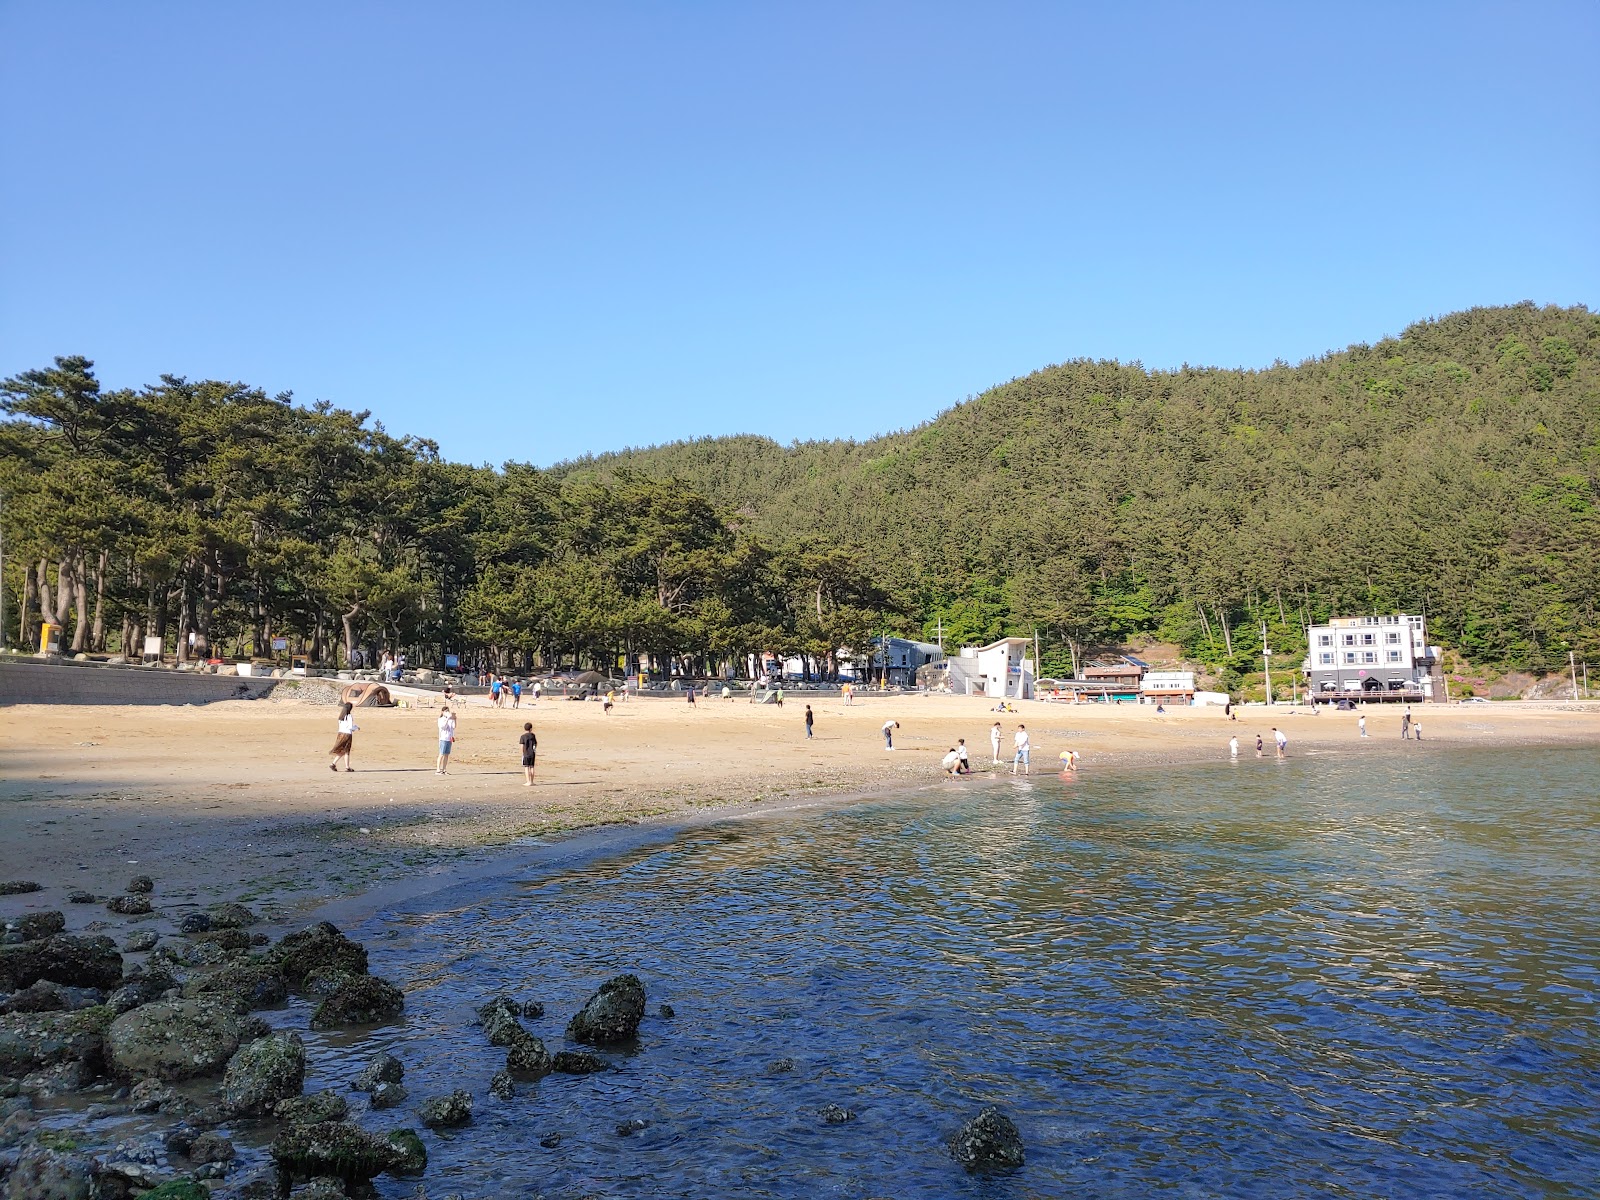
1266	661
1572	661
3	571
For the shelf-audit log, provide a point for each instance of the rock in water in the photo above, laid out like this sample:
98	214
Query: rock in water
834	1114
210	1148
988	1142
130	906
410	1155
389	1095
141	885
527	1056
612	1014
502	1086
141	940
173	1040
334	1148
447	1112
35	1041
320	947
266	1071
232	916
381	1068
313	1109
578	1062
45	1174
33	927
18	887
194	923
65	958
246	984
359	1000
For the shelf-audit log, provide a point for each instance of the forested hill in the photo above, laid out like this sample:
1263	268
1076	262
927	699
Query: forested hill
1454	470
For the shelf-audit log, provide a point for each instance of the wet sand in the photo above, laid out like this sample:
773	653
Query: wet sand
235	800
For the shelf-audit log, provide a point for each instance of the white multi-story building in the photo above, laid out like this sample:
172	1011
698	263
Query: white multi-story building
1361	656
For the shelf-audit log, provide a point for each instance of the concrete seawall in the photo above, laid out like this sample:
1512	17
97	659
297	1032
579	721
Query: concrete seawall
25	681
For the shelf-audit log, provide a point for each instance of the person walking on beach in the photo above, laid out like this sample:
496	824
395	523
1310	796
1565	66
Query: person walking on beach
1416	729
610	699
888	734
1022	757
849	694
1233	747
536	686
1282	739
994	742
516	693
1405	726
689	692
343	743
530	751
1361	724
961	750
809	719
447	740
494	690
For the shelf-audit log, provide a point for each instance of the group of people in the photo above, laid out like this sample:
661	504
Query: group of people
1279	739
502	690
344	743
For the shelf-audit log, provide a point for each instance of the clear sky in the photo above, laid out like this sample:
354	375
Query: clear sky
531	231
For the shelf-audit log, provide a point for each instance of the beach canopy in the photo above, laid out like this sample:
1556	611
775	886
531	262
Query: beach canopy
588	677
366	695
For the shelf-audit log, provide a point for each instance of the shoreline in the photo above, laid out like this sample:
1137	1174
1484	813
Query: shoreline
227	802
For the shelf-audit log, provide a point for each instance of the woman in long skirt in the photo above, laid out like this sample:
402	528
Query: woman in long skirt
346	739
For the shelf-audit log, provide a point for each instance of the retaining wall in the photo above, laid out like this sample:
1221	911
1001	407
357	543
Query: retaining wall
36	681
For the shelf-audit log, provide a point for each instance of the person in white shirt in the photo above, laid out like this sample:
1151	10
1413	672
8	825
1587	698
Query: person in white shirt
994	741
343	744
952	762
965	767
888	734
447	740
1022	756
1282	739
1233	747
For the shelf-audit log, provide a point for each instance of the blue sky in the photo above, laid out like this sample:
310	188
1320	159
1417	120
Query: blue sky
532	231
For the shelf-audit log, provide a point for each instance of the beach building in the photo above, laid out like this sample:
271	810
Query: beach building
904	658
1001	669
1167	687
1376	658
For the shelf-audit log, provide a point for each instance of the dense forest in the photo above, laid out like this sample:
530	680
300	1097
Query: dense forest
1453	470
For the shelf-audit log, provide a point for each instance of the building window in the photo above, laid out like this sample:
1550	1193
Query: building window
1392	639
1325	640
1349	656
1349	639
1366	639
1327	656
1370	656
1394	656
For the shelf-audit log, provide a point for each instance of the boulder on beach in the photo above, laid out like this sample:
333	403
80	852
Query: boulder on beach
232	916
446	1112
195	922
578	1062
988	1142
140	940
18	887
497	1017
44	996
80	896
180	1039
130	906
319	947
410	1155
526	1056
502	1086
141	885
210	1147
141	987
264	1072
41	1173
34	926
389	1095
64	958
359	1000
32	1041
380	1068
232	940
612	1014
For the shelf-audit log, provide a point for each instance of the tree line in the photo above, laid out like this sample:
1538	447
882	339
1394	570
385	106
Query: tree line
1453	470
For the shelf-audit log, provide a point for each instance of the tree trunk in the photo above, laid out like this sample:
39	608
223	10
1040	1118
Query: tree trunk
185	616
1227	634
80	591
205	604
349	621
64	590
46	602
25	617
97	635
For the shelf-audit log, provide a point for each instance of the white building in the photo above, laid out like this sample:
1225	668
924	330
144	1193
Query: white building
1001	669
1363	656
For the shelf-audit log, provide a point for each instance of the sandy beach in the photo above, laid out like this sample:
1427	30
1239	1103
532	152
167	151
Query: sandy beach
234	800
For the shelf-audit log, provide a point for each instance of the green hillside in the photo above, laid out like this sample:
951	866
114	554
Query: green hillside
1452	470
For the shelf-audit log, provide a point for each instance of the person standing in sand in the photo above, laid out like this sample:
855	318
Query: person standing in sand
530	751
346	740
809	720
1260	749
516	693
447	740
1361	724
994	742
689	692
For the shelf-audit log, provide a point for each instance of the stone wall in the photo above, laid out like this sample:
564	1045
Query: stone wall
36	681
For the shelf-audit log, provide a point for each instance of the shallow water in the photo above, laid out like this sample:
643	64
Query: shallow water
1356	976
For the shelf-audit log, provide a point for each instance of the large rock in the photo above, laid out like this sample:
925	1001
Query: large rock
266	1071
65	958
34	926
446	1112
334	1148
130	906
31	1041
527	1056
18	887
144	987
410	1155
312	1109
988	1142
51	997
359	1000
612	1014
380	1068
180	1039
232	916
45	1174
246	984
319	947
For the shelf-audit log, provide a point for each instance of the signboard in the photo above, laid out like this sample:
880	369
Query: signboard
280	643
152	647
452	662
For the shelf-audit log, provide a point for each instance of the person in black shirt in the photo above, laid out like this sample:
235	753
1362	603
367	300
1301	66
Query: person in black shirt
530	751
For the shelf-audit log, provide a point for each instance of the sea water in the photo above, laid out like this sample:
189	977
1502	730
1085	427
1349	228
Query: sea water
1350	975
